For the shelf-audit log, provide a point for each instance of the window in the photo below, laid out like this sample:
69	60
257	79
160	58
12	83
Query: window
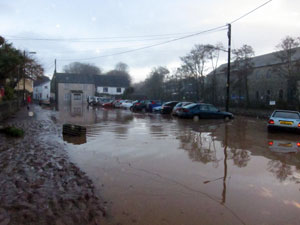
204	107
287	115
105	89
118	90
212	108
46	87
67	96
77	97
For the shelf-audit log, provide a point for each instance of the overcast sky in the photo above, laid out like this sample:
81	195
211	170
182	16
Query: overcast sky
78	30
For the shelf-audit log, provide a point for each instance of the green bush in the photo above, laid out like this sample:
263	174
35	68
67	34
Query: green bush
13	131
9	93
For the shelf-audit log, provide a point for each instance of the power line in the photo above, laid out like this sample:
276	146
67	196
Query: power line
129	37
170	35
154	45
250	12
90	41
176	39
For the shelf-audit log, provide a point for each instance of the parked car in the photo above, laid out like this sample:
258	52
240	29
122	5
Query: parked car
139	106
284	120
108	104
152	104
118	103
102	101
203	111
126	104
157	109
168	107
96	101
90	99
179	106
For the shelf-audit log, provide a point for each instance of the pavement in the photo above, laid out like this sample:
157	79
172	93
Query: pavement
38	182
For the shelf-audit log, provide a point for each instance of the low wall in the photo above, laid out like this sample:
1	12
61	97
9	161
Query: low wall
259	113
7	108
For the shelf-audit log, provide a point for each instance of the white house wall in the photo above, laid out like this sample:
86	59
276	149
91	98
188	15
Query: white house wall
42	92
110	90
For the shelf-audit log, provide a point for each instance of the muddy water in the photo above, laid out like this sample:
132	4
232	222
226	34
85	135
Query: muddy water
153	169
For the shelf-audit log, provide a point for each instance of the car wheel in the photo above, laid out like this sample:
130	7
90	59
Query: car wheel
196	118
227	118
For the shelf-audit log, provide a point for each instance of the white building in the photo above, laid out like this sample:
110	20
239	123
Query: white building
41	89
111	90
111	85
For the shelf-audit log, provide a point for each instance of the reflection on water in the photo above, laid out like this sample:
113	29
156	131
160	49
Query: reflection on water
76	140
159	170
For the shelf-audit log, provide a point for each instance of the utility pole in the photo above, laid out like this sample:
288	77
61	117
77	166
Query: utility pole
54	66
24	71
228	68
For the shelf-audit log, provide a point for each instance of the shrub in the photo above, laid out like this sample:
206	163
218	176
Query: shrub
13	131
9	93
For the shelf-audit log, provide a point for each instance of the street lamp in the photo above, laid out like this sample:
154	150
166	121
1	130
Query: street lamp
24	71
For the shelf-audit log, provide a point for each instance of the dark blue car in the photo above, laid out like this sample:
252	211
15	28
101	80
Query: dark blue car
203	111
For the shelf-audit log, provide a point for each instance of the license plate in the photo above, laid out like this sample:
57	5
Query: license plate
286	122
285	144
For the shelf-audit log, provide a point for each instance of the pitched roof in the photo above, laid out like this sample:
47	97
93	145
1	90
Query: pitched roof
41	80
75	78
113	80
264	60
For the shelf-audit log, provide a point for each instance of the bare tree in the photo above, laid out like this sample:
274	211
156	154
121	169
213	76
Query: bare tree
243	67
289	66
122	67
154	84
82	68
213	56
195	65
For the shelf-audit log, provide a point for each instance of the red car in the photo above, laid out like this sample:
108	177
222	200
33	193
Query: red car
108	104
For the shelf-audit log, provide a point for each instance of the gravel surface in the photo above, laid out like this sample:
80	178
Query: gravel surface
38	183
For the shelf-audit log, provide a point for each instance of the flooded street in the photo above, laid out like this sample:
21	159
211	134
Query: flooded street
154	169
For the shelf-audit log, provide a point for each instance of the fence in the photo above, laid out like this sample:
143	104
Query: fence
7	108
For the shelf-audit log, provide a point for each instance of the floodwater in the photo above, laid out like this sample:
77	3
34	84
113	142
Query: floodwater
154	169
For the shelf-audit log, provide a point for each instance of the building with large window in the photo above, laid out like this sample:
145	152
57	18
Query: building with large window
267	82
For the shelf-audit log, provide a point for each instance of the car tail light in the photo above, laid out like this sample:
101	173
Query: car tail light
185	110
137	103
270	143
298	144
272	122
298	124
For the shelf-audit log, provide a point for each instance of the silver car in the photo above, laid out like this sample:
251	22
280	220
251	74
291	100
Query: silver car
284	119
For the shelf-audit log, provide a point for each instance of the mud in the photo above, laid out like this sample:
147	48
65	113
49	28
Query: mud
155	169
38	183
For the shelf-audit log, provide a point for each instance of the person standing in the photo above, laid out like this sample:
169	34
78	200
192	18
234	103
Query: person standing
28	101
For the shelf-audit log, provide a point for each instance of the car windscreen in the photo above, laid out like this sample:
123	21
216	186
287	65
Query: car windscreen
287	115
190	106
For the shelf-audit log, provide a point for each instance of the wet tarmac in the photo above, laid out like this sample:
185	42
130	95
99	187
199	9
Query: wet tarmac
154	169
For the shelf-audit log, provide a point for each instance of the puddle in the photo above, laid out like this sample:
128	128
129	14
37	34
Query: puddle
153	169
